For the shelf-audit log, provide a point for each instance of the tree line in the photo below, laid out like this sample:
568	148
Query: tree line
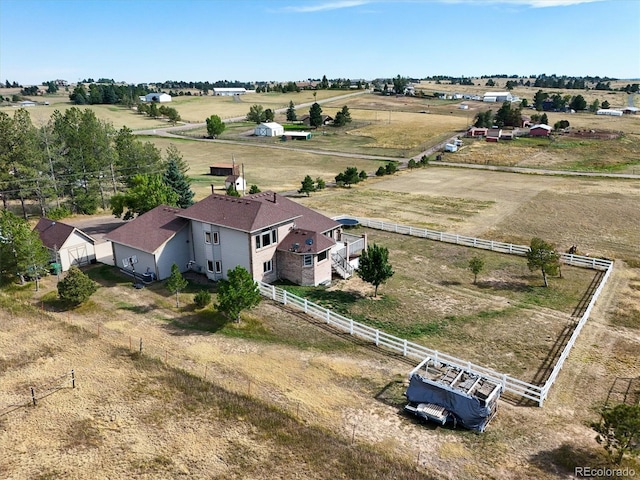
74	163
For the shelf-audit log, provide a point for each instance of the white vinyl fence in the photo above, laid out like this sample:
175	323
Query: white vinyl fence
537	393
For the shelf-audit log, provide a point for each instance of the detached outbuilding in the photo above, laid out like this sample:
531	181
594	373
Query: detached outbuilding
157	97
68	245
269	129
540	130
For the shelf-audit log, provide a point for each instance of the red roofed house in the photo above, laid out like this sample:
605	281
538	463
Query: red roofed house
68	245
540	130
273	237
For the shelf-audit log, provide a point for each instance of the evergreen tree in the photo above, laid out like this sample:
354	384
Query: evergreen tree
320	184
176	283
291	112
237	293
269	115
307	185
374	266
232	191
315	115
180	184
619	430
254	189
544	119
76	287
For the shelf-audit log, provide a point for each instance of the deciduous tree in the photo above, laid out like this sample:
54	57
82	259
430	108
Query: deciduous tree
374	266
215	126
147	192
237	293
476	265
176	282
256	114
543	256
619	430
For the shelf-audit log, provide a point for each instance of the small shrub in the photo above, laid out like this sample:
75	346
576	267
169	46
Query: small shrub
76	287
202	298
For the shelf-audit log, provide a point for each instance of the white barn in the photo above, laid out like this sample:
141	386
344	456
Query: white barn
493	97
157	97
269	129
610	112
229	91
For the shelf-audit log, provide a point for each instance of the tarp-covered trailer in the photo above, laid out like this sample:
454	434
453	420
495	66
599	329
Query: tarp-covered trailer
447	394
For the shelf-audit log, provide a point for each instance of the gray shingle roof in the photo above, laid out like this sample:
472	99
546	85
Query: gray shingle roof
54	233
151	230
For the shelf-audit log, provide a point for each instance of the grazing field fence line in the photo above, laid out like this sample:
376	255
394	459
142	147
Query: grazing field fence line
536	393
35	393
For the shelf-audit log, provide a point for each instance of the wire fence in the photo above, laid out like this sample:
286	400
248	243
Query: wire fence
35	393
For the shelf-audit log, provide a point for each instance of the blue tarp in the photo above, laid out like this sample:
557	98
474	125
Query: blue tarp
471	412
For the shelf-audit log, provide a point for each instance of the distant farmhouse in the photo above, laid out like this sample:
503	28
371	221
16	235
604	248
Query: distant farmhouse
156	97
273	237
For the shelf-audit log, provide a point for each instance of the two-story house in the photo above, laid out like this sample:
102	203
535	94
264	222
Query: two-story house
271	236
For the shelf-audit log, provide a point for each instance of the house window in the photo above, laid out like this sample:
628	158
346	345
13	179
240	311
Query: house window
216	238
210	265
322	256
267	266
266	238
307	261
218	267
207	238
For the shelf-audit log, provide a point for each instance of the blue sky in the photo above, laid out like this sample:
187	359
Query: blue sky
155	40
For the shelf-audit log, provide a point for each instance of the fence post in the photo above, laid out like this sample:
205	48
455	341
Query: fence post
140	344
284	297
328	315
404	347
73	379
377	337
273	292
33	396
306	306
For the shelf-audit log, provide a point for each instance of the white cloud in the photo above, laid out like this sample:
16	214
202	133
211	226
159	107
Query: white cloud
329	6
339	4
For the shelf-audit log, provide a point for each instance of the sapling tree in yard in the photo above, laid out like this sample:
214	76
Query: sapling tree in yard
237	293
619	430
374	266
543	256
476	265
176	282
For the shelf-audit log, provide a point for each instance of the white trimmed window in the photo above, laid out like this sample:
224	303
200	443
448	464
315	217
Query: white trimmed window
218	267
322	256
207	238
265	239
267	266
216	238
210	265
307	261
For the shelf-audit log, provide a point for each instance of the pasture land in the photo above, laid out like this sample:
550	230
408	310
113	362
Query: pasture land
563	152
281	170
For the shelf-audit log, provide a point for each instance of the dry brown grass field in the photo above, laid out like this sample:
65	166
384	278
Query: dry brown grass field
337	401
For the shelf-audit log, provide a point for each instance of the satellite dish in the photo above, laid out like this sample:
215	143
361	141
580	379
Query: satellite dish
309	241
